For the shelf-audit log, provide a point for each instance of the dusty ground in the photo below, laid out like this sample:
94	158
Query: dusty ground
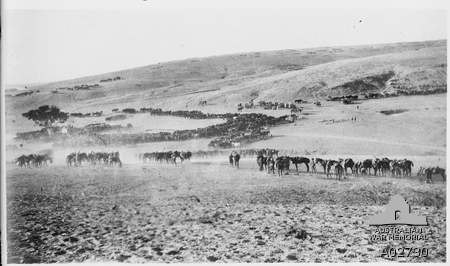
205	212
419	131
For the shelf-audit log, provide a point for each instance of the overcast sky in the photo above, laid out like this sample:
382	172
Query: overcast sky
48	45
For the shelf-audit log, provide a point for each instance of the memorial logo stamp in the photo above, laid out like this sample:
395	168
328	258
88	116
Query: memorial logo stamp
397	223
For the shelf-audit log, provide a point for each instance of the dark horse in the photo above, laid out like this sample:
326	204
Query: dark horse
230	158
348	163
262	162
234	159
299	160
282	163
237	157
367	165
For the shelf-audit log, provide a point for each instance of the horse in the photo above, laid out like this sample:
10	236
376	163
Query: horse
421	171
114	158
300	160
81	157
236	159
321	162
385	166
186	155
71	159
376	166
313	165
92	157
329	164
271	165
440	171
349	163
357	167
23	161
282	163
338	171
429	173
231	159
44	159
396	168
366	165
262	162
435	170
174	155
407	166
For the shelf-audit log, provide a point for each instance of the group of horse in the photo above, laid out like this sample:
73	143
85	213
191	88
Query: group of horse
339	168
375	167
34	160
94	158
168	156
266	159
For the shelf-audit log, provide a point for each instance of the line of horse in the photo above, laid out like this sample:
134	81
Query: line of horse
93	158
343	167
266	159
168	157
34	160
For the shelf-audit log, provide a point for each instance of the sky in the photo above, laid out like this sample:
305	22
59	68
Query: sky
53	43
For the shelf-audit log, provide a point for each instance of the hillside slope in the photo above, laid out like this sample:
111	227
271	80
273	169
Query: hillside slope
224	81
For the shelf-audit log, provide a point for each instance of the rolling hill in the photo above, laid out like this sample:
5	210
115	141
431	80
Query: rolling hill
224	81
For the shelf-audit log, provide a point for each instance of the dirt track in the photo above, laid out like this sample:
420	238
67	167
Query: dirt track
204	212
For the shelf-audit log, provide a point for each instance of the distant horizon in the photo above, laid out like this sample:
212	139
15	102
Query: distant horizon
44	46
12	86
